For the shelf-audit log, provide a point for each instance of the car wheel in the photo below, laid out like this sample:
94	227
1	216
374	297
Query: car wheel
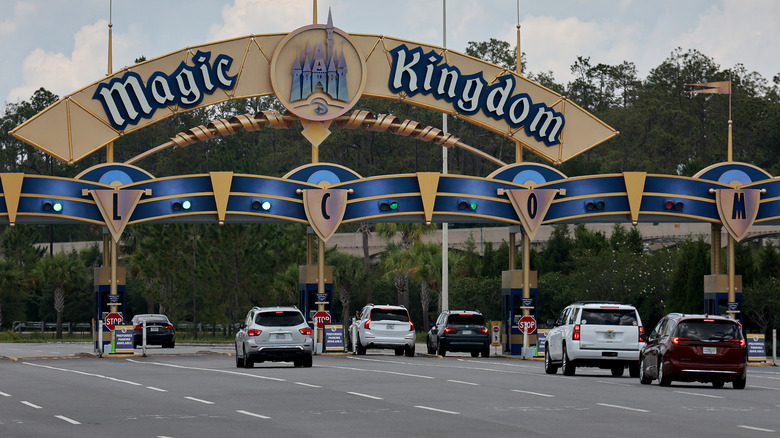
307	361
486	352
442	349
643	377
633	370
409	351
663	379
549	368
717	384
568	367
431	350
248	363
740	382
399	351
617	371
361	350
475	354
239	361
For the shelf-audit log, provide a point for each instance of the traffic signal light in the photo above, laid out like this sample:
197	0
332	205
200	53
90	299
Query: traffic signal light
53	206
183	204
261	204
595	205
674	205
467	205
388	206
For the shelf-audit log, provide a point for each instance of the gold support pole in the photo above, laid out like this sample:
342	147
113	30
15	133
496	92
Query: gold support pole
320	279
315	12
113	291
518	144
512	252
730	157
715	244
526	270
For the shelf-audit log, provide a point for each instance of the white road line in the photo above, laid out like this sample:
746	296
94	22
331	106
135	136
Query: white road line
622	407
698	394
99	376
463	383
765	387
30	404
611	383
4	394
438	410
252	414
533	393
365	395
385	372
256	376
307	384
156	389
69	420
757	429
200	400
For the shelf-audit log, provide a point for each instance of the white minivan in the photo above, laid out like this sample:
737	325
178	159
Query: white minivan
595	334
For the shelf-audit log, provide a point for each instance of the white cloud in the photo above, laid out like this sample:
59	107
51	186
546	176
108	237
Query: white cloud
21	11
247	17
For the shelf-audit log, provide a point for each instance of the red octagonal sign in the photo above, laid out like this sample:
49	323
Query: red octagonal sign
527	325
321	318
114	319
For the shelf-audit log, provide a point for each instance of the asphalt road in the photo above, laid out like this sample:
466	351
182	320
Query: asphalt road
203	394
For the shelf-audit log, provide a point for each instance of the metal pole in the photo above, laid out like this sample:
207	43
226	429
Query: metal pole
100	338
774	347
732	292
445	227
526	286
143	336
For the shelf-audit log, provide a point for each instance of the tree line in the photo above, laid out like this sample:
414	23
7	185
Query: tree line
212	274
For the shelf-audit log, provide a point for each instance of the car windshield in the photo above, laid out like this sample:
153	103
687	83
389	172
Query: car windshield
609	317
157	319
390	315
280	318
465	319
708	331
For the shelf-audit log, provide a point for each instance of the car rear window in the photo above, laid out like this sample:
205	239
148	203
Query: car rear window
608	317
279	318
708	330
390	315
466	319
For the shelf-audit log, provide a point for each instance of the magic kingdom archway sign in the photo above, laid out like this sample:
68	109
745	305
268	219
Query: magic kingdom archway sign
318	72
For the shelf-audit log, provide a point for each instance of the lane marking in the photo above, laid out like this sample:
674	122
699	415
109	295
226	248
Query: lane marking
622	407
698	394
765	387
4	394
69	420
307	384
438	410
757	429
533	393
30	404
237	373
200	400
463	383
83	373
385	372
373	397
611	383
252	414
156	389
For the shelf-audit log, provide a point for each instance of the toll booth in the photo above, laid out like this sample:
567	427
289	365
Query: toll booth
716	296
309	297
103	297
512	306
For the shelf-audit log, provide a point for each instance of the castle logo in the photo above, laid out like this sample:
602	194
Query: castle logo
320	70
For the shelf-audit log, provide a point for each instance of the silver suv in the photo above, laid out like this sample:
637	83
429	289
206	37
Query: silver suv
595	334
383	326
278	334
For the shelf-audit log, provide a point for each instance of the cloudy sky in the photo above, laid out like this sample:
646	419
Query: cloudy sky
62	44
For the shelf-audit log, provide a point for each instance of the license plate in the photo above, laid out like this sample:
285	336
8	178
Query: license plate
466	332
154	329
281	336
710	350
390	326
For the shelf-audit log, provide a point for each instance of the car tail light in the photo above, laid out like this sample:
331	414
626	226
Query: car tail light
253	332
709	320
169	327
411	326
138	327
676	340
449	330
483	330
306	331
641	334
576	334
366	324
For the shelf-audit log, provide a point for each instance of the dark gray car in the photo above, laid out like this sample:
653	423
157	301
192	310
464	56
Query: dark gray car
459	330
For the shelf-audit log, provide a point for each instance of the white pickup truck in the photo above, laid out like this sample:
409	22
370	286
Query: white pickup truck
383	326
595	334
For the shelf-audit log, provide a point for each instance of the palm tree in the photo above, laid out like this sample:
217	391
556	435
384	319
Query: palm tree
425	259
64	273
9	283
393	260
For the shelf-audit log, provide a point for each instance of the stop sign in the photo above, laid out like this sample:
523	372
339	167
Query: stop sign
527	325
113	319
321	318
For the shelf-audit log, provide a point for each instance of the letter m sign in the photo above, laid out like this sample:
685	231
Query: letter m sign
738	210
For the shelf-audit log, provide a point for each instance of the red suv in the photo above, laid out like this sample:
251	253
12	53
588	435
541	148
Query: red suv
695	348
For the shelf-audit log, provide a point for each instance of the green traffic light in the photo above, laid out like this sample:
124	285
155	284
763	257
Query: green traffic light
473	206
394	205
57	207
186	205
